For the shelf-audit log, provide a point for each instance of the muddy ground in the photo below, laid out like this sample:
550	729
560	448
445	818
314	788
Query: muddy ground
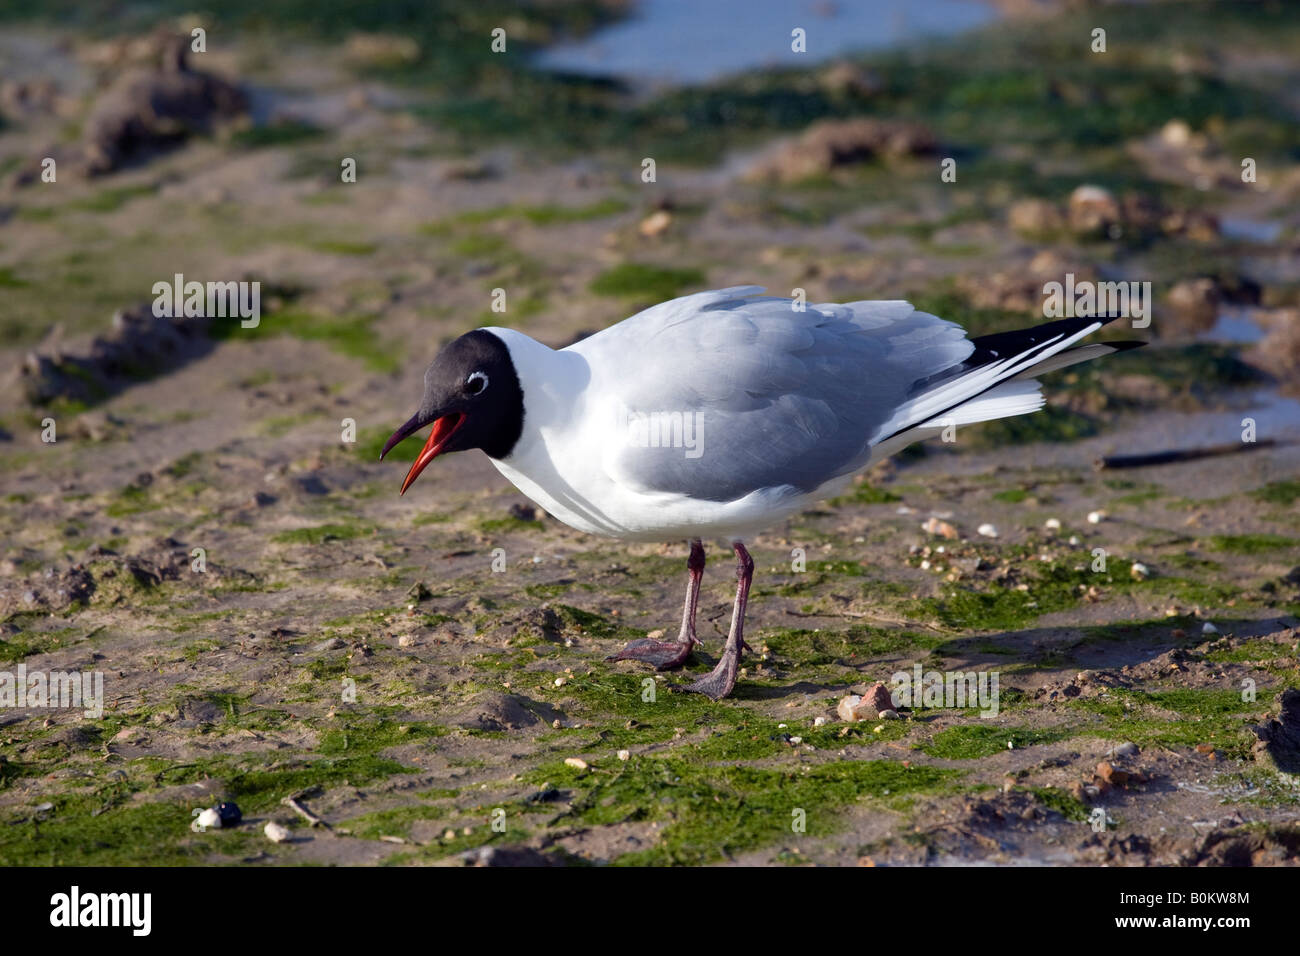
334	643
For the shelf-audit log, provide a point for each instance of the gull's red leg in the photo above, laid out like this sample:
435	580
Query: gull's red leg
668	654
722	679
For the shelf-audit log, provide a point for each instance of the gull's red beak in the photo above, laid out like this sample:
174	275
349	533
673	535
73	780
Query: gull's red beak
443	429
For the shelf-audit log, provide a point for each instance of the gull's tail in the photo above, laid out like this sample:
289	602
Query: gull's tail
997	380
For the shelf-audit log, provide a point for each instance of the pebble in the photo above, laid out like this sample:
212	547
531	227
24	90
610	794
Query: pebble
1074	541
942	528
560	681
577	763
847	708
819	721
1113	775
655	223
1096	517
987	530
1139	571
624	754
878	698
1126	749
276	833
1208	628
1052	524
889	714
209	818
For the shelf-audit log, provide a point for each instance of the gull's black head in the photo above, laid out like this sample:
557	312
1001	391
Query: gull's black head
473	398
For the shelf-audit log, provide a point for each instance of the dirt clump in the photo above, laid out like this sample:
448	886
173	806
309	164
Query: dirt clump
828	145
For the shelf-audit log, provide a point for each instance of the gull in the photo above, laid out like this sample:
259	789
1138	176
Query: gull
719	414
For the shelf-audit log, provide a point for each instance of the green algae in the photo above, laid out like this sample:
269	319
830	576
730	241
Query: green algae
711	814
971	741
642	281
320	534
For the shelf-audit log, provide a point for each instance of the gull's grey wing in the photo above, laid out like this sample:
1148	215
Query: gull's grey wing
744	393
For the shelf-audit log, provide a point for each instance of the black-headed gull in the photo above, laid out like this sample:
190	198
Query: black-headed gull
719	414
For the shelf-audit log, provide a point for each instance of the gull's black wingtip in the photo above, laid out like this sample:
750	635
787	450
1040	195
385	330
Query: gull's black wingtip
1124	346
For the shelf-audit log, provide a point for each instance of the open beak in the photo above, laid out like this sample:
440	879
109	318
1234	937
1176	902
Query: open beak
443	429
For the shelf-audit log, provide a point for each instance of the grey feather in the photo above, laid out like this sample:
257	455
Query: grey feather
785	400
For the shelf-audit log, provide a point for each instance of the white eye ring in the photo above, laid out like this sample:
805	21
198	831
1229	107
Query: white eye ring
476	377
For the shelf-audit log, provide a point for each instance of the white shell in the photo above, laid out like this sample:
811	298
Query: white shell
276	833
848	708
210	818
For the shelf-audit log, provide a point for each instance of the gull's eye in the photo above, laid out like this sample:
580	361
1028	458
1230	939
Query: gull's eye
476	382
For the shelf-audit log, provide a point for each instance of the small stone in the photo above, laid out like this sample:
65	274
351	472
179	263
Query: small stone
1208	628
1109	774
819	721
1093	209
577	763
1052	524
1139	571
941	528
878	698
847	708
1096	517
624	755
561	681
888	714
209	818
655	223
1126	749
796	740
407	640
1176	133
987	530
276	833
